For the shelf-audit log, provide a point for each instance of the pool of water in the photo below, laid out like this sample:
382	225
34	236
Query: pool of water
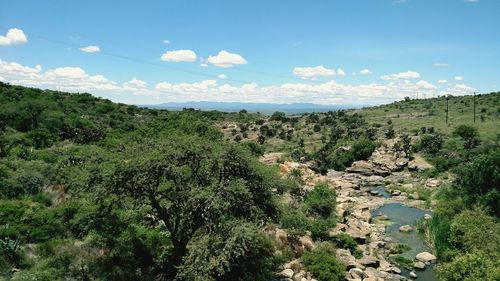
399	215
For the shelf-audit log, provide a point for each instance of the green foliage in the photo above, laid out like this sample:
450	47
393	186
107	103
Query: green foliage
431	144
320	201
479	181
469	135
471	267
235	251
345	241
323	264
403	261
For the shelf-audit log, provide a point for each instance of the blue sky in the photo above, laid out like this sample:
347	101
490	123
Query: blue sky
371	51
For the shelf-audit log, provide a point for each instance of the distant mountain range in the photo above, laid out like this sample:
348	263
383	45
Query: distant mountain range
265	108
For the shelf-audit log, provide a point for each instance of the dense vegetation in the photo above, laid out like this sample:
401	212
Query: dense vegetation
94	190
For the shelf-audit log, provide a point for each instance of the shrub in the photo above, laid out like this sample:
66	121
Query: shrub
323	264
431	144
320	201
345	241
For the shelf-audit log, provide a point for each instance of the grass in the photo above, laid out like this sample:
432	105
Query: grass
403	261
414	114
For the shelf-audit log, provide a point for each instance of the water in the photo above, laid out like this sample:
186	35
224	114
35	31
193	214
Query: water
399	215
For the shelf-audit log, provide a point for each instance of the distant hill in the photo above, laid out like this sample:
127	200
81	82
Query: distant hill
265	108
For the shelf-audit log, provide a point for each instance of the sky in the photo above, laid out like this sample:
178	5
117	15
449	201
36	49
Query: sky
325	52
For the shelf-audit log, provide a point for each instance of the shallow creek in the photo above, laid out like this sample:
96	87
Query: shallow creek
399	215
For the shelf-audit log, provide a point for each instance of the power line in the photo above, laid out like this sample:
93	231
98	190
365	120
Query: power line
196	73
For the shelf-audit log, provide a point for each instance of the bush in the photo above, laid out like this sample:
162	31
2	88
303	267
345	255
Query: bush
471	267
321	201
431	144
479	181
345	241
323	264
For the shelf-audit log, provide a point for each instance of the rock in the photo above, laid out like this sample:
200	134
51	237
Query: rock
432	183
415	196
270	158
307	242
356	273
369	261
396	270
418	164
427	217
395	192
374	192
405	228
426	257
298	277
371	272
419	265
294	265
346	258
407	186
287	273
413	274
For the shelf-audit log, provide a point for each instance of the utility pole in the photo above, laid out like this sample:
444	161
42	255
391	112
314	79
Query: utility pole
447	97
474	99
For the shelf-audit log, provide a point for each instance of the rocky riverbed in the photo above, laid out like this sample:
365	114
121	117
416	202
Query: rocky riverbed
361	193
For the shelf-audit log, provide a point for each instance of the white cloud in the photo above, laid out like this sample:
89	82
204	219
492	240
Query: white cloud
13	36
313	72
179	55
134	84
365	72
204	65
340	72
422	84
226	59
402	75
442	81
471	1
90	49
75	79
458	78
166	41
439	64
222	76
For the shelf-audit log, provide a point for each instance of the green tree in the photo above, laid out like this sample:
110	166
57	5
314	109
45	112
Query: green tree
192	186
323	264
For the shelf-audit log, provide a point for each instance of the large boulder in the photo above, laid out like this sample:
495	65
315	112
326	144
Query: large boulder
405	228
426	257
369	261
418	164
345	257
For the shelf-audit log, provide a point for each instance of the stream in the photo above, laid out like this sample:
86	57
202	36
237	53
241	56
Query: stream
399	215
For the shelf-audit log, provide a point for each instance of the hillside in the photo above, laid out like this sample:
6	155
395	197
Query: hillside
95	190
408	116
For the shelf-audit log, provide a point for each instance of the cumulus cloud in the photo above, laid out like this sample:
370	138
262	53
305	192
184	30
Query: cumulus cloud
365	72
179	56
458	78
76	79
222	76
313	72
402	75
166	41
340	72
62	78
135	84
442	81
226	59
13	36
90	49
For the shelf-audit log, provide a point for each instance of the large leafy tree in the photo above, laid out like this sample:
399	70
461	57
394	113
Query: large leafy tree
192	186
